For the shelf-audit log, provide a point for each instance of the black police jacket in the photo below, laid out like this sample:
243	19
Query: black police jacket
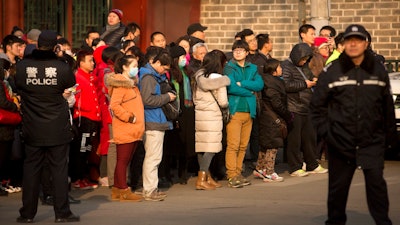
41	81
352	108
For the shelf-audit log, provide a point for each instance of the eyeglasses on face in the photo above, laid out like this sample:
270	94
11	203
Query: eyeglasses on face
239	51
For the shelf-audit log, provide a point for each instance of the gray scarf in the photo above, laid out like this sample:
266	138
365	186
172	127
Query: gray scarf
109	29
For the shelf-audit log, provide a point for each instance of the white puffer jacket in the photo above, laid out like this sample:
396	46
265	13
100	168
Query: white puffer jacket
208	117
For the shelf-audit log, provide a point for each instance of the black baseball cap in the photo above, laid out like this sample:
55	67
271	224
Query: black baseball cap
356	30
195	27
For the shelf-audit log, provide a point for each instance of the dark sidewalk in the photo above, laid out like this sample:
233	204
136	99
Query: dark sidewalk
294	201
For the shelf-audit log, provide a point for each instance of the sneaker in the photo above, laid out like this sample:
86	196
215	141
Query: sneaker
273	178
244	180
80	185
11	189
299	173
138	191
259	174
234	182
319	169
90	184
103	181
84	185
18	189
155	196
3	192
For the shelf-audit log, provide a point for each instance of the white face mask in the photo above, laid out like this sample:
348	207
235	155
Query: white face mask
133	72
69	52
182	63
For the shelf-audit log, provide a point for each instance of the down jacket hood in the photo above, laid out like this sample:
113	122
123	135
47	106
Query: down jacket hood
299	51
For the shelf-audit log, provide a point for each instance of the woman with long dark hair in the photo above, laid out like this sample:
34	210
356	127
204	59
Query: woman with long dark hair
209	94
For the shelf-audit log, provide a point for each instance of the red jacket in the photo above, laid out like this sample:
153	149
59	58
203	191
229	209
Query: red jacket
87	104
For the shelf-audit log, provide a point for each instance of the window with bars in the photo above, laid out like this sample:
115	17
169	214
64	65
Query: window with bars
52	15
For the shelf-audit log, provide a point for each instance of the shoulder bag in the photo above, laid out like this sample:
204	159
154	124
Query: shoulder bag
226	115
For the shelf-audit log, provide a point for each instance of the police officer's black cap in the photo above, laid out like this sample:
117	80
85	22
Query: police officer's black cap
47	38
356	30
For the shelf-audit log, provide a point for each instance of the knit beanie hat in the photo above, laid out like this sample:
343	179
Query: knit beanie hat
119	13
33	34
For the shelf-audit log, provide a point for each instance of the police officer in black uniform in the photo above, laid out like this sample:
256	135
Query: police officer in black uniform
42	82
352	108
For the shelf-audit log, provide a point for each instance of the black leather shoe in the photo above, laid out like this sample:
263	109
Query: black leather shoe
49	200
22	219
73	200
70	218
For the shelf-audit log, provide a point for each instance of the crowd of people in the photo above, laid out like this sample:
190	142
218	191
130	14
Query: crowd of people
91	115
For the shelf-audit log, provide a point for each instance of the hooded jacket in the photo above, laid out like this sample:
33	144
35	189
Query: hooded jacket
352	108
152	98
251	82
41	81
298	94
126	103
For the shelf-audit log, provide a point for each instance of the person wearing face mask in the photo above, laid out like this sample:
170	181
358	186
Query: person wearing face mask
181	138
128	122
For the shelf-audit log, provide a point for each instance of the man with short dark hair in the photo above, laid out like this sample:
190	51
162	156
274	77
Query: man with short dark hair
46	131
307	34
90	36
352	109
196	33
12	46
245	80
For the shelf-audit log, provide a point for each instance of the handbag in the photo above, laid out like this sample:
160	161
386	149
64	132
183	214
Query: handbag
9	117
226	114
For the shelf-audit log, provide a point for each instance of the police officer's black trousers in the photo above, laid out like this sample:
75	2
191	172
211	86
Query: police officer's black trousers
56	157
341	171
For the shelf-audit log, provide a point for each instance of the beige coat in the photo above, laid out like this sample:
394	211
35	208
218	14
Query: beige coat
208	117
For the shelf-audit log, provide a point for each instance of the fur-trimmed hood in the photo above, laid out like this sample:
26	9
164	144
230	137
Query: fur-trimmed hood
347	64
113	80
118	80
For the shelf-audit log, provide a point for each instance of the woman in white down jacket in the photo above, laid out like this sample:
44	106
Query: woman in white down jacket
209	86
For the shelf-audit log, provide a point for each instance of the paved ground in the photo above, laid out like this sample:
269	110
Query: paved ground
294	201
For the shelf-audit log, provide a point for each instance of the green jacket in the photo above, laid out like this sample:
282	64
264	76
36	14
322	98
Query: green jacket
250	81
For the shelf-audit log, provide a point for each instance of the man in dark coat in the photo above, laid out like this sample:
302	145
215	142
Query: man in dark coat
41	81
352	108
301	137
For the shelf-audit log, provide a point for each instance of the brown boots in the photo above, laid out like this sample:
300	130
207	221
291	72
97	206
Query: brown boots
201	183
115	194
124	195
211	181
